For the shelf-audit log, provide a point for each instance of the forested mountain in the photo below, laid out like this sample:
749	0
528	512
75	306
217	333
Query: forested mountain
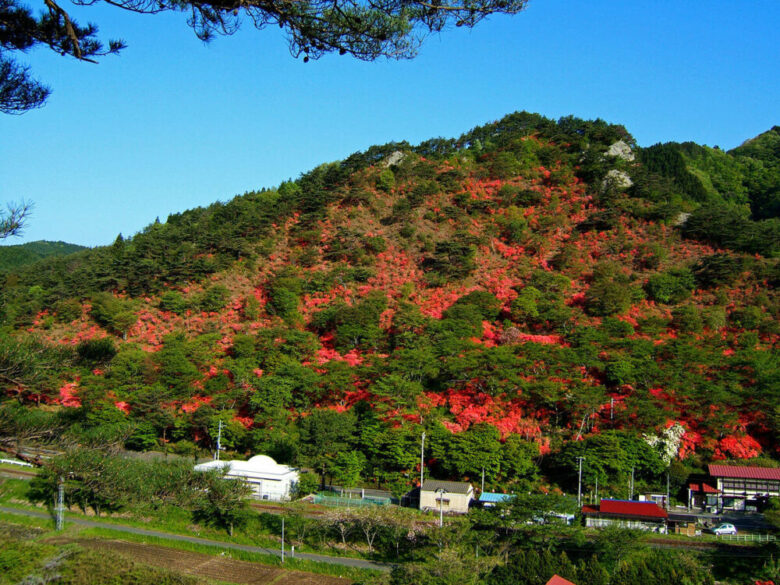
528	292
24	254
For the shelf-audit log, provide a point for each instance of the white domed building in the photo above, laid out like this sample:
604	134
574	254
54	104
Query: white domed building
268	479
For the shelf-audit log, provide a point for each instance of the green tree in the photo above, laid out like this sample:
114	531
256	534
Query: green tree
324	434
67	310
524	307
451	565
233	432
22	31
687	319
485	303
607	297
671	287
213	298
174	302
308	483
223	502
347	468
27	366
591	572
92	480
609	456
518	458
176	370
772	513
386	181
468	453
113	313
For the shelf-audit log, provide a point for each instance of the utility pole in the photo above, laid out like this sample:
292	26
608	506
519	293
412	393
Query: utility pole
422	460
483	480
631	486
219	441
282	538
60	503
611	409
579	483
667	491
597	488
441	492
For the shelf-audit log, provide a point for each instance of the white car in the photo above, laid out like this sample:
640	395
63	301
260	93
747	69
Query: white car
724	528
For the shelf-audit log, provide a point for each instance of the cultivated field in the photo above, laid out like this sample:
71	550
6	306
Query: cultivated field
218	568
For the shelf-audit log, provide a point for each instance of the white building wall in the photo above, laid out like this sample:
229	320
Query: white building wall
267	479
451	503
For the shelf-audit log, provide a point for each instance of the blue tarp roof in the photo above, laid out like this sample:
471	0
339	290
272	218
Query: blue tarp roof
493	497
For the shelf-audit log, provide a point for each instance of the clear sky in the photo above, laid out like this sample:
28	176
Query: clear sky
172	124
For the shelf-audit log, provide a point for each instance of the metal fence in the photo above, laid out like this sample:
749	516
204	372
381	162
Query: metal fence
350	502
747	537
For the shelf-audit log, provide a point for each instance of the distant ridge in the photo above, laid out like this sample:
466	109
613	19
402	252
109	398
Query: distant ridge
29	253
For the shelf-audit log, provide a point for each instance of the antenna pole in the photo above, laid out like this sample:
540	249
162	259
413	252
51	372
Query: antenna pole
422	459
667	491
219	441
60	503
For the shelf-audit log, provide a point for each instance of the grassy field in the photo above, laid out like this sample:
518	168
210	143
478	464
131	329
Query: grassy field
30	549
172	520
268	560
262	530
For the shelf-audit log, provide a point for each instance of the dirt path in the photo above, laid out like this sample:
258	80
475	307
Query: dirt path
220	568
17	473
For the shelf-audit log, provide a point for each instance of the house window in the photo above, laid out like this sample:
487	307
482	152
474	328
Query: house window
443	503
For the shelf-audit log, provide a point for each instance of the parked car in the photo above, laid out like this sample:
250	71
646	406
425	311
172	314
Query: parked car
724	528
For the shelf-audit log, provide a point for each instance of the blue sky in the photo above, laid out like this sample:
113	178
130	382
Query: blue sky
172	124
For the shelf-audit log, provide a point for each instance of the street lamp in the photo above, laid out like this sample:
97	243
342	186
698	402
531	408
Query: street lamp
441	492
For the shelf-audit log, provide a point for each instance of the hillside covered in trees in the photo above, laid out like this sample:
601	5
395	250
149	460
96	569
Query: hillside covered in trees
527	293
15	256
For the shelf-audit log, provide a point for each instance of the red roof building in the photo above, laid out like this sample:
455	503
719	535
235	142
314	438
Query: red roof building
741	487
739	472
702	494
702	488
631	508
558	580
626	513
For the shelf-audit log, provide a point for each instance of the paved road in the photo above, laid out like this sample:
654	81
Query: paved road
744	521
344	561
